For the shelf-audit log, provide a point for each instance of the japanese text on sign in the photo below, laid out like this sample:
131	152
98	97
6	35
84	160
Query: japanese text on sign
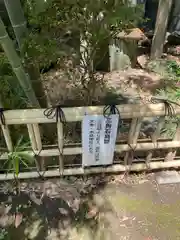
98	139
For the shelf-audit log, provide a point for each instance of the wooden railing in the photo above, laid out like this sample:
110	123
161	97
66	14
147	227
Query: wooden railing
33	117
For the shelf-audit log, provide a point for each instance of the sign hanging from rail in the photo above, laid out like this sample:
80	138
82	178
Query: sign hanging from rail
98	139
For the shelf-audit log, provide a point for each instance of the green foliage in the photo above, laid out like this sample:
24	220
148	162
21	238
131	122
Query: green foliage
4	234
64	21
11	92
19	158
59	29
40	50
173	68
170	71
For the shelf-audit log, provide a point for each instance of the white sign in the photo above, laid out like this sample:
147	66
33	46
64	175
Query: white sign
98	139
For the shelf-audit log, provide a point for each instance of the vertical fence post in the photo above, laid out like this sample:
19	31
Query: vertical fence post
155	137
132	138
60	146
172	152
6	133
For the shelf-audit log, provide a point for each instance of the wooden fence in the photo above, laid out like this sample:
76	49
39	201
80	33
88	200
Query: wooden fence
33	117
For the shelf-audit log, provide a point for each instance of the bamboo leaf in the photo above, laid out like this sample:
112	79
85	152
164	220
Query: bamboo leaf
26	156
16	165
24	163
18	219
18	143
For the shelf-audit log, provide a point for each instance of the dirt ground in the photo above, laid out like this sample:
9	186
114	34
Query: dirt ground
131	207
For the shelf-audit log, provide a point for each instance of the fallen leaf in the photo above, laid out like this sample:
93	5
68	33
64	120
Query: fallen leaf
18	219
92	213
142	60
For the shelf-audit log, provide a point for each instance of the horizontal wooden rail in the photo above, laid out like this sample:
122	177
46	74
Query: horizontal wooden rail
119	149
136	112
74	114
137	167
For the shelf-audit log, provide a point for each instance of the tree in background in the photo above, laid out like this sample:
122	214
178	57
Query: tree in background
57	30
76	30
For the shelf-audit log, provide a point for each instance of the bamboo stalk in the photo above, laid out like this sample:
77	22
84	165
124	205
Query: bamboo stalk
40	164
132	138
7	137
60	145
172	152
33	143
32	137
17	19
137	167
15	62
37	136
119	148
20	28
155	136
75	114
6	133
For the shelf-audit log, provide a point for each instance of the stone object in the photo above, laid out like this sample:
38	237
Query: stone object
123	48
167	177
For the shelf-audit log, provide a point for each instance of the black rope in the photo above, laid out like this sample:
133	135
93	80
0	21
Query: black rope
37	164
56	112
169	108
2	117
111	110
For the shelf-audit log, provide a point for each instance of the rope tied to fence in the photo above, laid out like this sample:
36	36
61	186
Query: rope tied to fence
2	117
112	110
57	112
169	108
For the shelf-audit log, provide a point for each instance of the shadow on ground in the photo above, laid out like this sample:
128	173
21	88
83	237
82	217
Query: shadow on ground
130	208
54	209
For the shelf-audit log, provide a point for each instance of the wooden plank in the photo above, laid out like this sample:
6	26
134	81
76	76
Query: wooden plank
82	171
30	116
160	28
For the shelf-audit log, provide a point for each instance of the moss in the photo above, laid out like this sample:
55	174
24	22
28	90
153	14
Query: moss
162	215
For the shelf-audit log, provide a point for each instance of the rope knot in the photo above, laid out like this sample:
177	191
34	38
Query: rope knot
55	111
110	110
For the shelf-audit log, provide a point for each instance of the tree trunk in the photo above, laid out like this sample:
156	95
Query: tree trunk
160	28
18	69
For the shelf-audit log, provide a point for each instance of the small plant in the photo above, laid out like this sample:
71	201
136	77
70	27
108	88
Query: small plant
19	158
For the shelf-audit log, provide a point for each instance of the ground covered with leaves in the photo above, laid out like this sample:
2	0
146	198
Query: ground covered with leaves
131	207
